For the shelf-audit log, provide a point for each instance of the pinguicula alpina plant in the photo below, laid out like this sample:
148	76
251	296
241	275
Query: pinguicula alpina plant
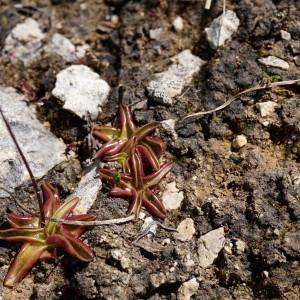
138	154
41	235
122	142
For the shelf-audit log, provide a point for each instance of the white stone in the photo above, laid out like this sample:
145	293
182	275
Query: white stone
156	34
87	190
120	256
81	90
170	83
275	62
169	126
178	24
285	35
210	244
240	246
24	43
239	141
63	47
188	289
222	28
149	226
185	230
41	148
266	108
171	197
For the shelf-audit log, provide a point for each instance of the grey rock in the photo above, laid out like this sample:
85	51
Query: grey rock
171	197
169	126
222	28
267	108
185	230
210	244
24	43
188	289
291	243
275	62
170	83
81	90
62	46
41	148
178	24
87	190
156	34
285	35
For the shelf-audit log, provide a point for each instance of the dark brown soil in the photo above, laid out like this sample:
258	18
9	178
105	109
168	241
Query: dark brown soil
254	192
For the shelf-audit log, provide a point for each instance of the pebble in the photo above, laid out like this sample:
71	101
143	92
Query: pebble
170	83
156	34
239	141
222	28
81	90
266	108
171	197
295	46
297	60
240	246
41	148
87	189
275	62
120	256
24	43
209	246
149	226
178	24
169	126
285	35
62	46
185	230
188	289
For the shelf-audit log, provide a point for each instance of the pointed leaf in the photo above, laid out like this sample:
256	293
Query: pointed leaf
136	170
62	212
26	258
77	230
51	199
127	123
156	177
145	130
111	148
148	157
17	221
23	235
157	145
71	245
106	133
119	192
154	205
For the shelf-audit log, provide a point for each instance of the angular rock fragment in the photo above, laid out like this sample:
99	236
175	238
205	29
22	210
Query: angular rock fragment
24	43
170	83
275	62
87	190
41	148
267	108
171	197
62	46
210	244
81	90
188	289
185	230
222	28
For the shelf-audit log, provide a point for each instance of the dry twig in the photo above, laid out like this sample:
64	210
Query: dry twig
235	97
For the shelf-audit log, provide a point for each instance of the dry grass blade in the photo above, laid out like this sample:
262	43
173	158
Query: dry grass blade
235	97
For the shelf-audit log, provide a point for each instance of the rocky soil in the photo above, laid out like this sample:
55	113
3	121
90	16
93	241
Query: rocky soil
234	190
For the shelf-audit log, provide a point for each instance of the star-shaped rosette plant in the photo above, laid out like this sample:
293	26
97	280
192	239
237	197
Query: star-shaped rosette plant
138	186
42	242
121	143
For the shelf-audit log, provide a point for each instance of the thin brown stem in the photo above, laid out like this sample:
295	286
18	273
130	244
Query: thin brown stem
235	97
34	183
